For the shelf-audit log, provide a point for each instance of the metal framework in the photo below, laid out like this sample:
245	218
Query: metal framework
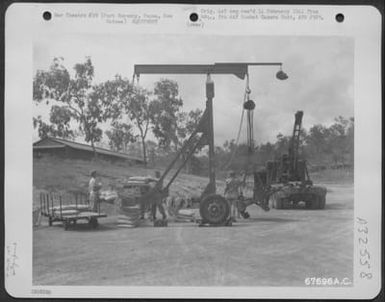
206	125
240	70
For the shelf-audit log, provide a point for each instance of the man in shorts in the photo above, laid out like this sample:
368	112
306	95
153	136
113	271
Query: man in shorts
232	193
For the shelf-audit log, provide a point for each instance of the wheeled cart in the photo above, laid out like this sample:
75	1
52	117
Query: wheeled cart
68	208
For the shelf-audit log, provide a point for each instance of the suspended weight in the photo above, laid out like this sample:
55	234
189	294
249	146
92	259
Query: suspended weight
214	209
249	105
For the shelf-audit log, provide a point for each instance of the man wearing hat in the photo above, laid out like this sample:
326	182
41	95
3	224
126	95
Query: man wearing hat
232	193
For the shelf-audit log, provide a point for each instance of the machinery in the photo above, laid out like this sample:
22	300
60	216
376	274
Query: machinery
214	208
289	178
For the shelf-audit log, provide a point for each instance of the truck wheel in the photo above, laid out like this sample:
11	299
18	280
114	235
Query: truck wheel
214	209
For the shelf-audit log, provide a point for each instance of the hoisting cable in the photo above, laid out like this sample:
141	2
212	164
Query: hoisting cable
245	99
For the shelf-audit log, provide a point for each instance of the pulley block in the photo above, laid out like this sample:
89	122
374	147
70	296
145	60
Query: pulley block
249	105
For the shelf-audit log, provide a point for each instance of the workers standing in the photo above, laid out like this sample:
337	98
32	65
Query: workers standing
153	199
232	194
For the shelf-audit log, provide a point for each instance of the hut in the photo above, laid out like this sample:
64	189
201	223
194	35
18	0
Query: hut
67	149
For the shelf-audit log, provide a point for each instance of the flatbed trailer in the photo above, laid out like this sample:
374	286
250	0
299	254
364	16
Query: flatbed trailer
68	208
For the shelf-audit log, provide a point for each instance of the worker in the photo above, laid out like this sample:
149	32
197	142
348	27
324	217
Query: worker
157	197
93	190
232	193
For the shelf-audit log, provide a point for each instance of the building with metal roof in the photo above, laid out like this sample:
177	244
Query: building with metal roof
67	149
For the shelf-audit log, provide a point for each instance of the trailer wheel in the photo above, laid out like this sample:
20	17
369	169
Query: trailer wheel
214	209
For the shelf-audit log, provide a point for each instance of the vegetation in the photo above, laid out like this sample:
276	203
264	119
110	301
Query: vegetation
130	111
79	107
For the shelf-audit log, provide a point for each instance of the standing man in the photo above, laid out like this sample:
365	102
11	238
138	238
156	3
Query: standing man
93	190
157	198
232	193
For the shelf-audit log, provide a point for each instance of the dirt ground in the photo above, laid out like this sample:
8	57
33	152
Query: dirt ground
275	248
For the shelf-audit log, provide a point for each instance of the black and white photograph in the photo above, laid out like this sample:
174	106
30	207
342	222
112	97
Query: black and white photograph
198	160
255	148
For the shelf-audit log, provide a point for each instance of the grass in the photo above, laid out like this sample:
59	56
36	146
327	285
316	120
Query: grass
50	173
341	176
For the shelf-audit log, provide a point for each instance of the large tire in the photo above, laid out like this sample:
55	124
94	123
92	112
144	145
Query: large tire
214	209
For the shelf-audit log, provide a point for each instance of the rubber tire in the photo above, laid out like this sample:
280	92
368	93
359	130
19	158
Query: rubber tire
222	205
50	221
66	225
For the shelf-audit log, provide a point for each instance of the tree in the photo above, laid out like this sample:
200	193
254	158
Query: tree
60	118
138	110
281	146
120	136
317	143
339	142
165	113
75	95
186	124
129	108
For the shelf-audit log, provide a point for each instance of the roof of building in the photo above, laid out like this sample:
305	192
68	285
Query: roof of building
53	143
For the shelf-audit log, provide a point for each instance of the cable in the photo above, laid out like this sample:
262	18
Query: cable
245	98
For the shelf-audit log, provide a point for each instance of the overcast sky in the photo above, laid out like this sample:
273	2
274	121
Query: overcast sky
320	71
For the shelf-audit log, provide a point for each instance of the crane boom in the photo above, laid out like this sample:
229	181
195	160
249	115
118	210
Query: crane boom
214	209
240	70
295	141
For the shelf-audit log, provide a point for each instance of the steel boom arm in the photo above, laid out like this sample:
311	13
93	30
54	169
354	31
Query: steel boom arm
240	70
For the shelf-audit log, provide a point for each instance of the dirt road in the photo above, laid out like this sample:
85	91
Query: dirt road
275	248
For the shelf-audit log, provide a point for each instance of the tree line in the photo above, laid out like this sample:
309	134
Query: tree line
78	107
322	147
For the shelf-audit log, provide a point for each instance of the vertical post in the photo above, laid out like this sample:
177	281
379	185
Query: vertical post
209	108
45	200
41	202
51	204
60	201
